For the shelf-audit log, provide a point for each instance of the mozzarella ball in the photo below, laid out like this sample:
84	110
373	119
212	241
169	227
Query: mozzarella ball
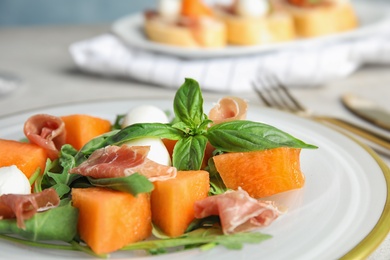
158	152
145	114
252	8
13	181
149	114
169	8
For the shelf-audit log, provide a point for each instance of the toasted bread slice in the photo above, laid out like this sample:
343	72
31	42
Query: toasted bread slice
274	27
325	19
205	32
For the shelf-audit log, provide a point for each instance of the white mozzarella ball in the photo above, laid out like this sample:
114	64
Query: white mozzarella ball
158	152
169	8
252	8
13	181
145	114
149	114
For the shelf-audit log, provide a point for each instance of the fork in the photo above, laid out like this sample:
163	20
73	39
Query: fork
274	94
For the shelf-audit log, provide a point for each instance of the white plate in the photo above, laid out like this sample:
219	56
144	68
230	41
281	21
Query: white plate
372	16
341	209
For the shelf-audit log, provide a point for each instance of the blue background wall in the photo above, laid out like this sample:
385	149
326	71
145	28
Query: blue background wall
38	12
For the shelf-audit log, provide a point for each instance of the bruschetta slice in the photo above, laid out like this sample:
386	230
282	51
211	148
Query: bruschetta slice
314	18
253	22
185	23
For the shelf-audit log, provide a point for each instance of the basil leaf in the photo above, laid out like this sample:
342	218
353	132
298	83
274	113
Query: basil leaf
91	146
118	122
126	134
188	152
134	183
243	136
139	130
188	104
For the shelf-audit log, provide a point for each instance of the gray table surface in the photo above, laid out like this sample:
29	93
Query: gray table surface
39	55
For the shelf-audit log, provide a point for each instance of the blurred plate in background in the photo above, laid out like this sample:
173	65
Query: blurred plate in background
373	16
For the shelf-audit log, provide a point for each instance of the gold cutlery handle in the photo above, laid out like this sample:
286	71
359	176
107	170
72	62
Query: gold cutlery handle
374	137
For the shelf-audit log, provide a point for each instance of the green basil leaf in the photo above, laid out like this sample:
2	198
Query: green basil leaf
135	131
243	136
183	127
91	146
188	152
188	104
117	137
118	122
134	183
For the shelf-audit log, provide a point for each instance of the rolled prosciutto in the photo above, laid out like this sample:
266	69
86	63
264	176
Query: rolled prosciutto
120	161
237	211
228	109
47	131
25	206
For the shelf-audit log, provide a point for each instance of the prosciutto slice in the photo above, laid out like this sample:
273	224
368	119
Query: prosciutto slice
24	206
47	131
228	109
237	211
115	161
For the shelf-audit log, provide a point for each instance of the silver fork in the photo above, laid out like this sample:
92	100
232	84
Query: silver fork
274	94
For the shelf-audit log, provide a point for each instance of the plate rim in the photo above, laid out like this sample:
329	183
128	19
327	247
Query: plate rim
135	21
361	250
377	234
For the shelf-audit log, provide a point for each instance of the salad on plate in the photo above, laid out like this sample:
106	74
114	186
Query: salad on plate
147	181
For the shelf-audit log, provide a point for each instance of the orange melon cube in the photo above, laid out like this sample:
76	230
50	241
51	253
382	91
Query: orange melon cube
80	129
26	156
261	173
109	219
172	200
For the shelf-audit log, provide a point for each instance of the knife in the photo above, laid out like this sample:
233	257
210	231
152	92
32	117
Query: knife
367	110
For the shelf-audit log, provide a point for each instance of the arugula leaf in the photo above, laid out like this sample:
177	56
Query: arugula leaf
243	136
41	179
59	177
217	186
188	152
34	176
134	184
58	224
207	238
74	246
207	222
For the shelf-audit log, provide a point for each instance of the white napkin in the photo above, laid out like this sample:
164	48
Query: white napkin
304	66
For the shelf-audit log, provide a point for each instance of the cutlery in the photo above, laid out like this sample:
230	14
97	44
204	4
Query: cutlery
274	94
367	110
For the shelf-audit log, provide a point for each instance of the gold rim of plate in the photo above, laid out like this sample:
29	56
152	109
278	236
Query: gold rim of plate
382	228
